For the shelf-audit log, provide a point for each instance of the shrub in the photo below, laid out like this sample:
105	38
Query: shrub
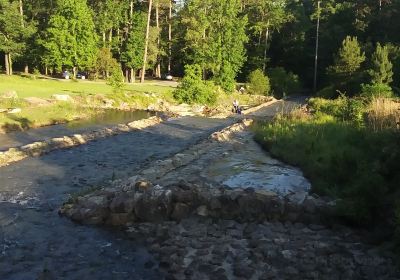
327	92
116	80
193	89
376	91
342	108
283	83
258	83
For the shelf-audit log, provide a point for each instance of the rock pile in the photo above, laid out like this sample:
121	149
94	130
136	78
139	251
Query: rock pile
137	200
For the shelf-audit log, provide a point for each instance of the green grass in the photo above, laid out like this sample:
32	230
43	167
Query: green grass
354	164
45	88
85	93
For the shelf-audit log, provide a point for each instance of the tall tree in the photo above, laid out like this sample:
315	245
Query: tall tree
146	43
215	38
349	58
13	34
71	40
133	49
382	69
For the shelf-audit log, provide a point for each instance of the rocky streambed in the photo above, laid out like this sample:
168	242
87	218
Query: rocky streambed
203	217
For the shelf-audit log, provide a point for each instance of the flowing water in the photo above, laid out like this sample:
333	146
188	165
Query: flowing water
106	119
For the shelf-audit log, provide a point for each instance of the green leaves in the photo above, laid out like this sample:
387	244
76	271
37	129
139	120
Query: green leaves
215	38
70	37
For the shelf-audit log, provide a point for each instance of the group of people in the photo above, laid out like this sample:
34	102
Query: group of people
236	107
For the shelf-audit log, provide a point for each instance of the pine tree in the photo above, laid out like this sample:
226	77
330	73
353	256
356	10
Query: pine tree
381	71
70	37
349	58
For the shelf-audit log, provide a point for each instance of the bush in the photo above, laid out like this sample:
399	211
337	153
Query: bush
376	91
342	108
283	83
258	83
116	80
193	89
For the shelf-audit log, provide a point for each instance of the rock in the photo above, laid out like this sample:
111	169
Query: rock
297	197
14	110
202	211
62	97
35	101
122	203
120	219
154	205
143	185
11	94
181	211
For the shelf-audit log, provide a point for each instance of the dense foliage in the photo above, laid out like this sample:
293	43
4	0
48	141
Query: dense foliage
359	42
258	83
193	89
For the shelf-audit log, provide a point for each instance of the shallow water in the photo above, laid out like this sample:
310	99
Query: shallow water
106	119
251	167
111	117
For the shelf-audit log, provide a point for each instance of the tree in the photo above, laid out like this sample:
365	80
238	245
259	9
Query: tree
13	34
215	37
133	49
70	38
381	71
146	42
267	16
258	83
349	58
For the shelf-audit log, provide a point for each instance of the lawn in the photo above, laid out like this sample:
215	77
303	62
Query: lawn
45	88
85	93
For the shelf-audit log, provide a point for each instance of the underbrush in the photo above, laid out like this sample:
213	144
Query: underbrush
353	161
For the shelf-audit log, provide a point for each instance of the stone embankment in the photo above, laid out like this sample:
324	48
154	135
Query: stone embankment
43	147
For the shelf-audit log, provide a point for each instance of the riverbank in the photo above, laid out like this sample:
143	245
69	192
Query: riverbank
27	103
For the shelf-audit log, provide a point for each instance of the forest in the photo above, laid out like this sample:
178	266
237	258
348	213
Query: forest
321	46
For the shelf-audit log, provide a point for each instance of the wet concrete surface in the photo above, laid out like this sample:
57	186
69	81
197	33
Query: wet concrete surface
34	240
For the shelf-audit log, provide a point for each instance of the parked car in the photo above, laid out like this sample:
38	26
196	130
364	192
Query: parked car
167	77
81	75
66	75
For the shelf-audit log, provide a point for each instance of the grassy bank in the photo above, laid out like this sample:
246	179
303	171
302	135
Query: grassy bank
343	157
87	98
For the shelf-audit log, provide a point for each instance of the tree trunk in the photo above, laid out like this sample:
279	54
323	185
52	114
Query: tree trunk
266	48
10	66
46	71
126	75
170	37
74	72
158	66
133	74
110	37
131	11
21	12
316	50
146	45
104	39
6	64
